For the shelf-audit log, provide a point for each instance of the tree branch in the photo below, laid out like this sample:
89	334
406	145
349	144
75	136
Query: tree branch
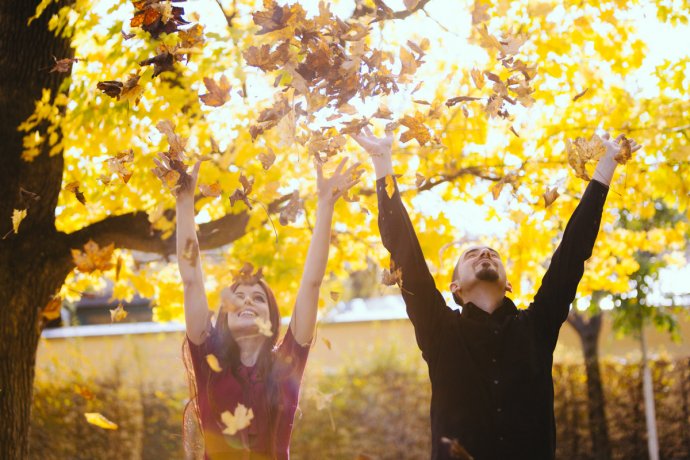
384	12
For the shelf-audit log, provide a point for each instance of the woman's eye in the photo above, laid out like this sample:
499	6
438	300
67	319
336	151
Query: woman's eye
258	299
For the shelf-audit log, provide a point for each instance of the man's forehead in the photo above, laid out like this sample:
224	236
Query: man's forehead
479	247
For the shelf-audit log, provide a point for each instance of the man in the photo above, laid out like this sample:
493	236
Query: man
490	364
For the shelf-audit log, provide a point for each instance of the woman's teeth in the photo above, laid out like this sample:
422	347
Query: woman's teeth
247	313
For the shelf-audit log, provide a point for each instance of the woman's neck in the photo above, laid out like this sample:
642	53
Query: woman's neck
250	348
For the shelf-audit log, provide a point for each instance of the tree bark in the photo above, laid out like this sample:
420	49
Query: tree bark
649	407
588	331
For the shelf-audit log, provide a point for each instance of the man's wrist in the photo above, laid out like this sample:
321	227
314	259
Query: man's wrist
383	166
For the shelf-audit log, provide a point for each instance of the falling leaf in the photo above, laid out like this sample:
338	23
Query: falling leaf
512	130
327	343
213	363
456	449
265	59
94	418
240	420
247	275
164	61
267	158
550	196
84	392
74	188
264	326
211	190
477	78
291	210
579	95
273	18
17	218
118	267
335	296
177	143
383	112
218	93
118	314
419	180
93	258
118	165
53	309
157	17
127	36
455	100
479	12
243	195
323	400
63	65
416	129
390	186
410	4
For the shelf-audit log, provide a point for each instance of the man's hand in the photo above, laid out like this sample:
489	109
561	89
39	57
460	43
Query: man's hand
379	149
607	164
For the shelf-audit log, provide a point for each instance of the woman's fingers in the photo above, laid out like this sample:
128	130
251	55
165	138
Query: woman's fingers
340	167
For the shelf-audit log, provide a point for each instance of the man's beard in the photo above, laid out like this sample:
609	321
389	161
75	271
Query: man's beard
487	273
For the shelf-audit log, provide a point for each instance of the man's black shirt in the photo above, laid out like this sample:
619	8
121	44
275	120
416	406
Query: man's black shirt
491	382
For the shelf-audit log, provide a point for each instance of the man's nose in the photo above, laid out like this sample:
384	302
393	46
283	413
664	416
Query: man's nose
485	253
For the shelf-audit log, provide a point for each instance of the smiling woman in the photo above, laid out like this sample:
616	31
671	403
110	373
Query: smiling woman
244	388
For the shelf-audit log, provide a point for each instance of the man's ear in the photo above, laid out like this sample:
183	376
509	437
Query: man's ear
454	286
509	287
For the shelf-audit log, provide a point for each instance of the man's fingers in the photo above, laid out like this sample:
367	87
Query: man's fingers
606	136
340	167
620	137
319	169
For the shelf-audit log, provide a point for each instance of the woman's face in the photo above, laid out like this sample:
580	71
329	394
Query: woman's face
246	307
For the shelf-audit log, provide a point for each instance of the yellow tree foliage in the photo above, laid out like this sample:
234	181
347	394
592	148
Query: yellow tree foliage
256	89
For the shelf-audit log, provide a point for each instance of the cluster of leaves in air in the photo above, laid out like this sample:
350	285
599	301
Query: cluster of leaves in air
322	63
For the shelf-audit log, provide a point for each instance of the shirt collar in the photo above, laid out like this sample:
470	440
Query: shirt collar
506	309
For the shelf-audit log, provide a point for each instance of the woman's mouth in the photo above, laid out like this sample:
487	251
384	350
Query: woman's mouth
247	313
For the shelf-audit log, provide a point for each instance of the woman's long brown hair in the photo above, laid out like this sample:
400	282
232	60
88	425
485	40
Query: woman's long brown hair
223	345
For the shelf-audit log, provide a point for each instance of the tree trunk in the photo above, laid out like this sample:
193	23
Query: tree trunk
34	262
588	331
649	409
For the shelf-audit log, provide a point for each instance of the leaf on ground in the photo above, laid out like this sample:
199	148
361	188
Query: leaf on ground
95	418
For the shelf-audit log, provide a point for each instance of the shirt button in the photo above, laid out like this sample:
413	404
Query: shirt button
496	331
500	438
495	382
499	410
493	360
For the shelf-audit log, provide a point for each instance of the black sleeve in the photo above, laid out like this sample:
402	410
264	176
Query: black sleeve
426	307
558	287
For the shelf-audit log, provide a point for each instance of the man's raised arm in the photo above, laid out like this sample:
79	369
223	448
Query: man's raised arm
558	287
425	304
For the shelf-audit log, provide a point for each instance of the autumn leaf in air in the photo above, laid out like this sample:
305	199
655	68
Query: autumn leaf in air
118	314
456	449
291	210
392	276
63	65
93	257
157	16
263	326
95	418
479	12
17	218
52	309
213	363
390	185
240	420
247	275
210	190
243	194
550	196
416	129
74	188
267	158
118	165
218	93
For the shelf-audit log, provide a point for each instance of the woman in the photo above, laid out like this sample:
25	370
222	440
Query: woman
246	389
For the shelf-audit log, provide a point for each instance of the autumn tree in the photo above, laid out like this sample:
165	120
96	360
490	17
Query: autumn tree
259	90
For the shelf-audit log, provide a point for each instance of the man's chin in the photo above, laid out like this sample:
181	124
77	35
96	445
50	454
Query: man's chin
487	274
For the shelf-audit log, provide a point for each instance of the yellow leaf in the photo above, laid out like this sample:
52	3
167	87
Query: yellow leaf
118	314
240	420
327	343
213	363
335	296
52	310
264	326
550	196
17	217
93	258
390	186
211	190
94	418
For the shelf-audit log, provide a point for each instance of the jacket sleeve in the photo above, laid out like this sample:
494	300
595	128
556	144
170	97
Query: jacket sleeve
426	307
558	286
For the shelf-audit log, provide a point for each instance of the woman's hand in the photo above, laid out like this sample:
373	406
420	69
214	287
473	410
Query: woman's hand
331	188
